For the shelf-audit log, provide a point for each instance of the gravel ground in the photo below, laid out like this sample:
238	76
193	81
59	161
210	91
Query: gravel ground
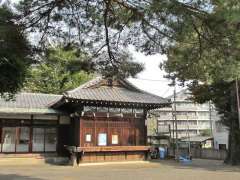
156	170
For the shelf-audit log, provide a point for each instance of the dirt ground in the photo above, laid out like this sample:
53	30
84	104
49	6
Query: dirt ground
156	170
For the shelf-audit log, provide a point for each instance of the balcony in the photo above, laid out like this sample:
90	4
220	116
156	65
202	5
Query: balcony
192	127
184	117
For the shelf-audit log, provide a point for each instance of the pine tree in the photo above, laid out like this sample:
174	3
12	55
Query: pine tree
15	53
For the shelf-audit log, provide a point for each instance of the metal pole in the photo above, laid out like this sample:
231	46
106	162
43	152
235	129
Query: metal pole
189	143
238	103
210	117
175	119
173	132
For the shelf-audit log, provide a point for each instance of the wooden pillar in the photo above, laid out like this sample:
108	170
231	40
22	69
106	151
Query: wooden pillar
76	131
95	132
31	135
145	125
80	131
58	135
1	136
108	133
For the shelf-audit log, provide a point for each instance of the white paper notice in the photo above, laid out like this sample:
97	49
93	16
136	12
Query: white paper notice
102	139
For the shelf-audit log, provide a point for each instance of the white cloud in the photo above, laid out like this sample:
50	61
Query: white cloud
152	78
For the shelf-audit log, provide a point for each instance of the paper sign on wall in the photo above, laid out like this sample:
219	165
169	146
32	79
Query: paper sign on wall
114	139
88	138
102	139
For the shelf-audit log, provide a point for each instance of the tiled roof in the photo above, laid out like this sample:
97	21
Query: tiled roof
124	91
29	102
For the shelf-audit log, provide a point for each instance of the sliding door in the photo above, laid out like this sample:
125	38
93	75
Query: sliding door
44	139
8	139
50	139
23	139
38	140
26	137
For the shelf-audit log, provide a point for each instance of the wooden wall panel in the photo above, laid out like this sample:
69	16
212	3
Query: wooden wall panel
112	156
130	131
100	156
117	132
135	156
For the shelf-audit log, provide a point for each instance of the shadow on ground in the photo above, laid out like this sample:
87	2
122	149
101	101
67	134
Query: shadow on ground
201	164
16	177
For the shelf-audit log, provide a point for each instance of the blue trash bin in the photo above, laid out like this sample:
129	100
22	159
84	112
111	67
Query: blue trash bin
162	153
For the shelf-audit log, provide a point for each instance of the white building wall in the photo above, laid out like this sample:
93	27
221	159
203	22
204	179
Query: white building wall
192	119
220	132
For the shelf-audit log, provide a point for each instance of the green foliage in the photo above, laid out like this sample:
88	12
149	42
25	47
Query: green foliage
14	53
107	25
211	49
205	132
60	70
123	66
208	59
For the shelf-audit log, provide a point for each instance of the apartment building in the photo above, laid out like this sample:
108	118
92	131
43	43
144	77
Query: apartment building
193	119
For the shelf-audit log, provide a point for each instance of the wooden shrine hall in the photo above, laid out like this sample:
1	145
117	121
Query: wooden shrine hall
102	120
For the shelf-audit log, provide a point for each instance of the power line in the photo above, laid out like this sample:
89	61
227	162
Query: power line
160	80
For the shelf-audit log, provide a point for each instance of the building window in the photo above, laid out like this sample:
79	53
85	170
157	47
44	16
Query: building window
222	146
140	111
90	109
102	109
114	110
127	110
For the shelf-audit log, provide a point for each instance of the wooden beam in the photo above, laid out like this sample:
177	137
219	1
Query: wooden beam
113	148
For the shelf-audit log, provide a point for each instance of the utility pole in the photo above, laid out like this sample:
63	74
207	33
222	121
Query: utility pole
238	103
188	135
173	132
210	117
175	118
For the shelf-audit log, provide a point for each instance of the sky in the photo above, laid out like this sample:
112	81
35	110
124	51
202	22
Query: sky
151	78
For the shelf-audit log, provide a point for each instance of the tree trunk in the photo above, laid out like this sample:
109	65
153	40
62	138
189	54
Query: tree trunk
233	157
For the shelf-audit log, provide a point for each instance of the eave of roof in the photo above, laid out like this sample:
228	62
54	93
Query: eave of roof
29	111
197	139
104	103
